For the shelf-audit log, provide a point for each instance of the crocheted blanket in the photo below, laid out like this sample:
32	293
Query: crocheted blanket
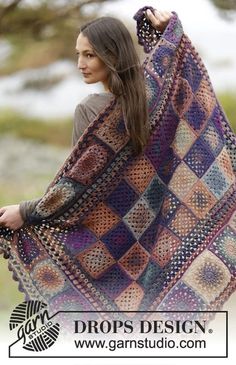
115	231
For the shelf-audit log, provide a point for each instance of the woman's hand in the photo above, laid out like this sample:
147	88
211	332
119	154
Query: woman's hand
159	19
10	217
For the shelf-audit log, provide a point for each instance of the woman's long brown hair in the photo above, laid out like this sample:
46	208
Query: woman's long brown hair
113	44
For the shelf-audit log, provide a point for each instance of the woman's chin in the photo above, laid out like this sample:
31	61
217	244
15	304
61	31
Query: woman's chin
88	81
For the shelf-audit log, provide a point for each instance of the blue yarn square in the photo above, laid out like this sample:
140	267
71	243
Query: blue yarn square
213	135
148	238
195	116
118	240
122	198
154	194
216	181
113	282
162	59
199	158
192	73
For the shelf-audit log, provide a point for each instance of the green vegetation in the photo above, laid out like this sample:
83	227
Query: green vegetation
52	131
225	5
228	102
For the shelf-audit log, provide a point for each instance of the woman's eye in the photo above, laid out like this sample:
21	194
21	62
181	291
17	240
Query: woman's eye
89	55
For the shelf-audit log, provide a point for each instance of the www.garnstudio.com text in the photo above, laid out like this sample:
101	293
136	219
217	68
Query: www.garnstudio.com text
162	343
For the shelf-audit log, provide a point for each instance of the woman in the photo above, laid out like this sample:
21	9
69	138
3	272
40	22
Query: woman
141	215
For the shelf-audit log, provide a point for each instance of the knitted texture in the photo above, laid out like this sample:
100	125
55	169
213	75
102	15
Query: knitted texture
156	231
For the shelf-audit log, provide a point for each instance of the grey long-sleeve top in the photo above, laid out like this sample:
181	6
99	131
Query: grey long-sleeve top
85	112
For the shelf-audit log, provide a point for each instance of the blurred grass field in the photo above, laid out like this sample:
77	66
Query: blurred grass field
52	131
55	134
58	131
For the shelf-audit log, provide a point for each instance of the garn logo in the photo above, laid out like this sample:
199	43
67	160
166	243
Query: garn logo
34	325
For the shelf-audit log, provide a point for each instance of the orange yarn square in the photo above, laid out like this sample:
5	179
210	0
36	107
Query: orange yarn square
101	220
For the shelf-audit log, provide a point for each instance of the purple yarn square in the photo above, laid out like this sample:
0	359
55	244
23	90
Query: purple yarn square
27	248
79	239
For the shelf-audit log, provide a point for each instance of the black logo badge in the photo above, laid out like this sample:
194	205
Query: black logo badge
34	325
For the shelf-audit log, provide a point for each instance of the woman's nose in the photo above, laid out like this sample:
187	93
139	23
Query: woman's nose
81	63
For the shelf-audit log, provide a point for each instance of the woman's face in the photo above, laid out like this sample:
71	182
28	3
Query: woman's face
91	66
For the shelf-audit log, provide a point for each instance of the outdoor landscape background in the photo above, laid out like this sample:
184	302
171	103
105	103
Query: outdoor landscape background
40	87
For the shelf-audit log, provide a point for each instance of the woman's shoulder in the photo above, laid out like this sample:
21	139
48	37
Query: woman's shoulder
92	104
96	99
